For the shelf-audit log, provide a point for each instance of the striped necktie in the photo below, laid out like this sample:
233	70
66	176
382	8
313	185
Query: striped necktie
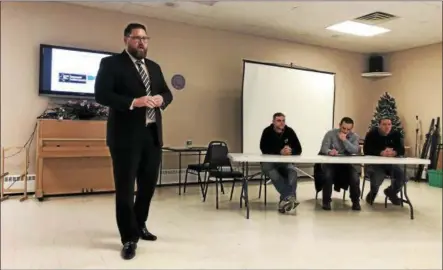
150	112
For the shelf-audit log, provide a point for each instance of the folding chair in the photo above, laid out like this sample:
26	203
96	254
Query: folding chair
366	178
197	169
219	167
263	181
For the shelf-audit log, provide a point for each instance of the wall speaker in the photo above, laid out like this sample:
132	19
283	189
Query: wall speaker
376	64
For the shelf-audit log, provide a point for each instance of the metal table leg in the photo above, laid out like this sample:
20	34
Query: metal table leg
242	184
265	191
407	201
179	173
245	194
160	170
199	157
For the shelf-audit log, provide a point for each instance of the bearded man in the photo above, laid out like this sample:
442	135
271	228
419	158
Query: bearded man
135	91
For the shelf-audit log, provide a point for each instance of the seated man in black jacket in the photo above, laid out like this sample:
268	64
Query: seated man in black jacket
383	141
341	141
279	139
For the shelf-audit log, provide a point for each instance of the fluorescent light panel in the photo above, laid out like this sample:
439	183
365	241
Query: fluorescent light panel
358	29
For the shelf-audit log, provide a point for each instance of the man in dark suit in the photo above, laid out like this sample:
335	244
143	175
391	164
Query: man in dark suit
135	91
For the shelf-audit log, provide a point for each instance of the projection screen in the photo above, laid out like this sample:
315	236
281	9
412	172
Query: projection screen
305	96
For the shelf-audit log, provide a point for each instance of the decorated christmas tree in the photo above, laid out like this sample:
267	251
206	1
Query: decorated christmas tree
387	108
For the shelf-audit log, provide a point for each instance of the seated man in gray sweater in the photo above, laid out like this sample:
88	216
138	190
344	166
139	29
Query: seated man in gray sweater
341	141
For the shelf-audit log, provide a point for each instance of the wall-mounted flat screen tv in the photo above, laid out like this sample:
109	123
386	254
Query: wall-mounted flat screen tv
68	72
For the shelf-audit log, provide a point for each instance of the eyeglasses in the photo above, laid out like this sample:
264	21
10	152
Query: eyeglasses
140	39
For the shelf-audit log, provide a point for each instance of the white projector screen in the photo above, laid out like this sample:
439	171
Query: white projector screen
306	97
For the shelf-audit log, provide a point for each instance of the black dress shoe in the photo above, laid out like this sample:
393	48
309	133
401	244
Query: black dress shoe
370	198
327	206
128	250
392	196
146	235
356	206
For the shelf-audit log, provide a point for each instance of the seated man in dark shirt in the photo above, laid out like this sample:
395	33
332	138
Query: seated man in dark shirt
279	139
383	141
341	141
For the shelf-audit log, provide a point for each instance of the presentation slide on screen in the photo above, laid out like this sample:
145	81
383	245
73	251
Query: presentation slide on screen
74	71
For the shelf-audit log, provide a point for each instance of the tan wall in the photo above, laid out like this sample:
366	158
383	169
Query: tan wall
210	60
416	84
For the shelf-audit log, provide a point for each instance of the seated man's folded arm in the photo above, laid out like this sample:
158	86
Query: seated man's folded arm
352	145
295	144
326	144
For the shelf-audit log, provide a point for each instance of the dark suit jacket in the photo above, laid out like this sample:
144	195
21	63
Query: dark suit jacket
117	84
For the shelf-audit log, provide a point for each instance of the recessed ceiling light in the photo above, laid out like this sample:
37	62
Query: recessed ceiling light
358	29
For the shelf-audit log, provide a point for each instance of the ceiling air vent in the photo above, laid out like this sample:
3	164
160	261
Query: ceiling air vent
375	18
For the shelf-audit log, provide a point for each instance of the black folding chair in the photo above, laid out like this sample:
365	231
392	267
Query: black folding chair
263	183
219	167
197	169
366	178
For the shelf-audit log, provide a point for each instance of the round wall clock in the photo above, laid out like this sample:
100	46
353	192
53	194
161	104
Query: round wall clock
178	82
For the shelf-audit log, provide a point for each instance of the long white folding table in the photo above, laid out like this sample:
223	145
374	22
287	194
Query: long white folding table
246	159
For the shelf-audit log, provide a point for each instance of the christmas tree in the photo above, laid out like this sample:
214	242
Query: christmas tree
387	108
